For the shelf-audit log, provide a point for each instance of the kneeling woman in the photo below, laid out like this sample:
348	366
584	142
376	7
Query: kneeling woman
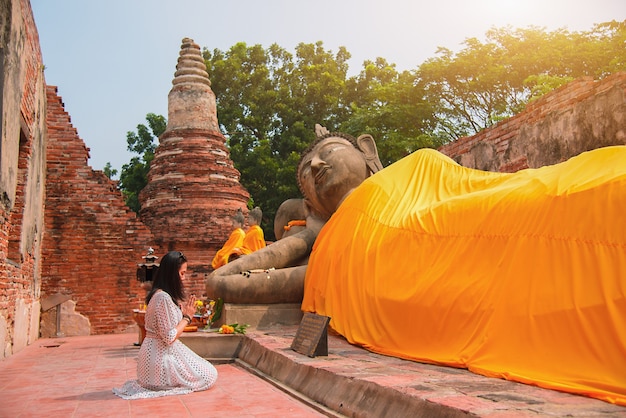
166	366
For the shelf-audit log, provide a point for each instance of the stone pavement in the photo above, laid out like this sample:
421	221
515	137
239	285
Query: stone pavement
357	382
73	377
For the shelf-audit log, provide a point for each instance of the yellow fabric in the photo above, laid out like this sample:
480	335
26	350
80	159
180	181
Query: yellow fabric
235	240
254	240
520	276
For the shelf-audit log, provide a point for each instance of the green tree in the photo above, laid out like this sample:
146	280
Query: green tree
388	105
134	176
488	81
610	38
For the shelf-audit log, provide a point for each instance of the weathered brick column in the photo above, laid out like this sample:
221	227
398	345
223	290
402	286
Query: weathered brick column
193	187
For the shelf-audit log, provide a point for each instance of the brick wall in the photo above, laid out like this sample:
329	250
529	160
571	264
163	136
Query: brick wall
92	241
22	175
191	196
580	116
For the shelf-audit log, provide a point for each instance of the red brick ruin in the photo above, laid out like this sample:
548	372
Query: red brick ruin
66	230
193	187
93	242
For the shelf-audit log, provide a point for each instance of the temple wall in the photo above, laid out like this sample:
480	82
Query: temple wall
580	116
93	241
22	175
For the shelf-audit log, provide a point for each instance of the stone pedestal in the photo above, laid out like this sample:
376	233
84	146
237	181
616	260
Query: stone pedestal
217	348
262	316
69	324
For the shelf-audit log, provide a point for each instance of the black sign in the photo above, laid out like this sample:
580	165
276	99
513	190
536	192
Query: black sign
312	336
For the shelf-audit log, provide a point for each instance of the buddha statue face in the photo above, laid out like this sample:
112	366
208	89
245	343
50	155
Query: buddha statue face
329	171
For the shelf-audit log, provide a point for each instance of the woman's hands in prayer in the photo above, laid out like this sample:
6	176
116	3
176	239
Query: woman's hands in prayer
189	306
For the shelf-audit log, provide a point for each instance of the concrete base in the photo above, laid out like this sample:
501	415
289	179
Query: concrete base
330	392
352	381
215	347
261	316
345	395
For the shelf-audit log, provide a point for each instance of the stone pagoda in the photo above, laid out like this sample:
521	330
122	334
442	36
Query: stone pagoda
193	187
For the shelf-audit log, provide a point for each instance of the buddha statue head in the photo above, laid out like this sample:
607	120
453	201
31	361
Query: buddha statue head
255	216
238	220
332	166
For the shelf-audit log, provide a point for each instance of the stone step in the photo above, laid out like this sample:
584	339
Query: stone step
352	381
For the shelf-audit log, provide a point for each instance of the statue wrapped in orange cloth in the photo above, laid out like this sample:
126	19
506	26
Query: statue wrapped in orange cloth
235	241
519	276
513	275
236	246
255	238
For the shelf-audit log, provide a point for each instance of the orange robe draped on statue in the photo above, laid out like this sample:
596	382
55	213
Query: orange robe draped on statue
254	240
520	275
235	240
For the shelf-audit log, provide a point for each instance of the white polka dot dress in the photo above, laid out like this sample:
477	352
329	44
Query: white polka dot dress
165	366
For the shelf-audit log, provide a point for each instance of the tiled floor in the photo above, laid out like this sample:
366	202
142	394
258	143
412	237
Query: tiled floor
73	377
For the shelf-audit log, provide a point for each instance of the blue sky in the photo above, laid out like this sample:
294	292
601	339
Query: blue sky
113	61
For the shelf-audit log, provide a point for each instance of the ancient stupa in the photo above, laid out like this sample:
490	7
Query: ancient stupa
193	187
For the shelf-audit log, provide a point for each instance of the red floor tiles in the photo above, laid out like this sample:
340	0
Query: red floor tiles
73	377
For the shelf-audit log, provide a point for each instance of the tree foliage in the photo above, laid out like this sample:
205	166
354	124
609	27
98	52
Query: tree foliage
134	176
488	81
269	101
389	106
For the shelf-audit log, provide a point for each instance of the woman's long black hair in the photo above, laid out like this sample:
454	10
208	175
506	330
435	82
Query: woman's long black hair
167	278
